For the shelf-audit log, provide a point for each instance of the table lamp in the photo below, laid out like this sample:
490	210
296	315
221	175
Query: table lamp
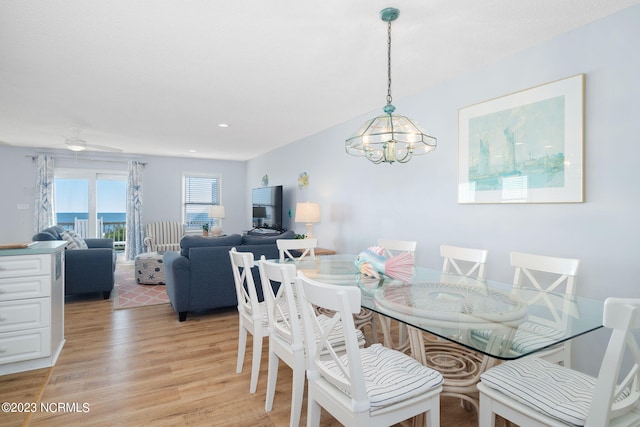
308	213
217	212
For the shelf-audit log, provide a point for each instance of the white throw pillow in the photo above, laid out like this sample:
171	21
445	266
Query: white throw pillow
73	240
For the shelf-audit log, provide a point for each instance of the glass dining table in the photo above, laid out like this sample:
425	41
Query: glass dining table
484	316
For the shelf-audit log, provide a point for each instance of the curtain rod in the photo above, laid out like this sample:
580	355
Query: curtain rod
34	157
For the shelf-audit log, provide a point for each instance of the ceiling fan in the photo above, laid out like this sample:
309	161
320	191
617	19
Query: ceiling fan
78	144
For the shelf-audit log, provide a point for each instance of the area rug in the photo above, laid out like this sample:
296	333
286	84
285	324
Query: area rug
129	294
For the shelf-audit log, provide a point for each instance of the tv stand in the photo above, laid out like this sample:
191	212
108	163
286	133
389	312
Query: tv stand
257	230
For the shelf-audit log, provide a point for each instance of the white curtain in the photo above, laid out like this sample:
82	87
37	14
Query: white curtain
44	212
135	231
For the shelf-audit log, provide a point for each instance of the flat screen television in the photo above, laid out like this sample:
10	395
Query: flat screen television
267	207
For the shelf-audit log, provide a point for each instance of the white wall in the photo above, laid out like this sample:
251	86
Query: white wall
162	187
361	201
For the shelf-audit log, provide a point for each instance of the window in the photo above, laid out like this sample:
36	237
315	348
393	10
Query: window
200	192
91	202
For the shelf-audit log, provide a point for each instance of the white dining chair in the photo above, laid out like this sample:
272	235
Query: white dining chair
372	386
466	262
551	274
306	248
286	340
460	366
394	247
535	392
252	314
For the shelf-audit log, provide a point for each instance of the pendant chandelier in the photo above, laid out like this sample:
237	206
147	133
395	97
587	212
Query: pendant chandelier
390	137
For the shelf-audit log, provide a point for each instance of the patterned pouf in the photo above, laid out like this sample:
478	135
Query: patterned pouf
149	268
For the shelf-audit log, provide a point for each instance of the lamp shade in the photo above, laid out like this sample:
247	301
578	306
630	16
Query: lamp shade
307	212
216	211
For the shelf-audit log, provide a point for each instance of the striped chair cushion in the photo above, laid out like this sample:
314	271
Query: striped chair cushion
390	376
336	337
554	390
529	336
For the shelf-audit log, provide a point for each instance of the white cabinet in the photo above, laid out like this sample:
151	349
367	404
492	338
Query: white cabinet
31	306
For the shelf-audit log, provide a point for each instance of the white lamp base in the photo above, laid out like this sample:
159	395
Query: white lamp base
216	231
309	231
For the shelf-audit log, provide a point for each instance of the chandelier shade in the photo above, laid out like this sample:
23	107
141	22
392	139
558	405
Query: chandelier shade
390	137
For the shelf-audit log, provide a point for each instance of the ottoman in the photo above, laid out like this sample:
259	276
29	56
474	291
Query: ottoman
149	268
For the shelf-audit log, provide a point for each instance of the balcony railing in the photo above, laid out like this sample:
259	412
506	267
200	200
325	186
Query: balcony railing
114	230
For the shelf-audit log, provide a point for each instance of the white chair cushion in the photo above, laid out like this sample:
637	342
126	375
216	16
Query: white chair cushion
336	337
391	376
529	336
554	390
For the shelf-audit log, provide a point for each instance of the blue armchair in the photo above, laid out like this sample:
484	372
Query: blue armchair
85	270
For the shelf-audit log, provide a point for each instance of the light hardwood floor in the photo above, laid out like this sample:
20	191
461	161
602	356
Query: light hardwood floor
141	366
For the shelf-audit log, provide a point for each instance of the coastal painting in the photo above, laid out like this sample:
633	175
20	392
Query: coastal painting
524	147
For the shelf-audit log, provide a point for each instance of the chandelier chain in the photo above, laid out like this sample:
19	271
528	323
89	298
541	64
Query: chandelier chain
389	99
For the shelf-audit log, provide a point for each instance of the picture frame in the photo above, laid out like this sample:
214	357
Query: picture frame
525	147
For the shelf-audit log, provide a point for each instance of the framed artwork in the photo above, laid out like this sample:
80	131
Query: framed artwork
526	147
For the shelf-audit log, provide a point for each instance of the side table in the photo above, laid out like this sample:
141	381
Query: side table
323	251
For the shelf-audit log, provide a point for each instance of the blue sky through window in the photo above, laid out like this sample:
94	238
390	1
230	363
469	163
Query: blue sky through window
72	195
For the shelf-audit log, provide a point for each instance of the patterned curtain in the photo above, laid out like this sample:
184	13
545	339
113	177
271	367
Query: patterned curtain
135	232
44	212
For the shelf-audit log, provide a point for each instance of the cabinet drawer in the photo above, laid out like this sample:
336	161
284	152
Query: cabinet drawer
25	314
25	345
25	265
25	287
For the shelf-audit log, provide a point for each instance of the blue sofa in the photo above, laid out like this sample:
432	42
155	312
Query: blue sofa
199	277
85	270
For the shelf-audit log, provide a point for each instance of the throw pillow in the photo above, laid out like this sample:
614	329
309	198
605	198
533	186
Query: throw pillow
73	240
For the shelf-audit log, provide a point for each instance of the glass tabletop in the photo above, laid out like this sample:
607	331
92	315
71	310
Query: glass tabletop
493	318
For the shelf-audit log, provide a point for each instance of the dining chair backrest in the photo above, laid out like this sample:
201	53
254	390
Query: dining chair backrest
611	399
344	301
466	262
246	293
281	305
550	275
306	247
562	396
393	247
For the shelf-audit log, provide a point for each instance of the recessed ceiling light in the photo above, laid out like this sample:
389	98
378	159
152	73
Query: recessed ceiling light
223	125
192	151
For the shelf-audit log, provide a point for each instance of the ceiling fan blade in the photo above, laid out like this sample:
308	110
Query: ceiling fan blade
104	148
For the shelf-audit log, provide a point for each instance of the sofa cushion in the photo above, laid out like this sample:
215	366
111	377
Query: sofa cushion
73	240
188	242
51	233
267	240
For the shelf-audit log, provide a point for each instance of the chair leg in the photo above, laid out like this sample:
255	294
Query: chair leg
297	393
313	412
255	364
432	416
272	379
242	344
486	416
